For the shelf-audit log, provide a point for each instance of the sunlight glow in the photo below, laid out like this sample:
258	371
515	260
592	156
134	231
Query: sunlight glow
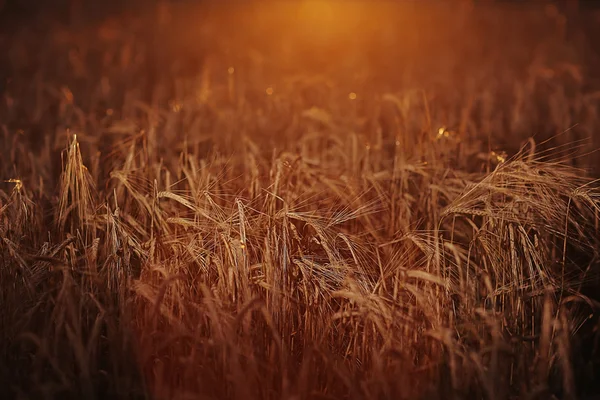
18	183
444	132
499	157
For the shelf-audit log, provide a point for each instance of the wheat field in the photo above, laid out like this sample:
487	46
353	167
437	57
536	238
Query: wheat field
193	211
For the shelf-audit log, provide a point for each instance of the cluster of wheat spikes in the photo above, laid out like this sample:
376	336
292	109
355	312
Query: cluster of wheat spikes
219	240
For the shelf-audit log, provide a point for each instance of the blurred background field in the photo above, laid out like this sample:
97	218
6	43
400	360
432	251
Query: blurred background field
301	199
509	70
